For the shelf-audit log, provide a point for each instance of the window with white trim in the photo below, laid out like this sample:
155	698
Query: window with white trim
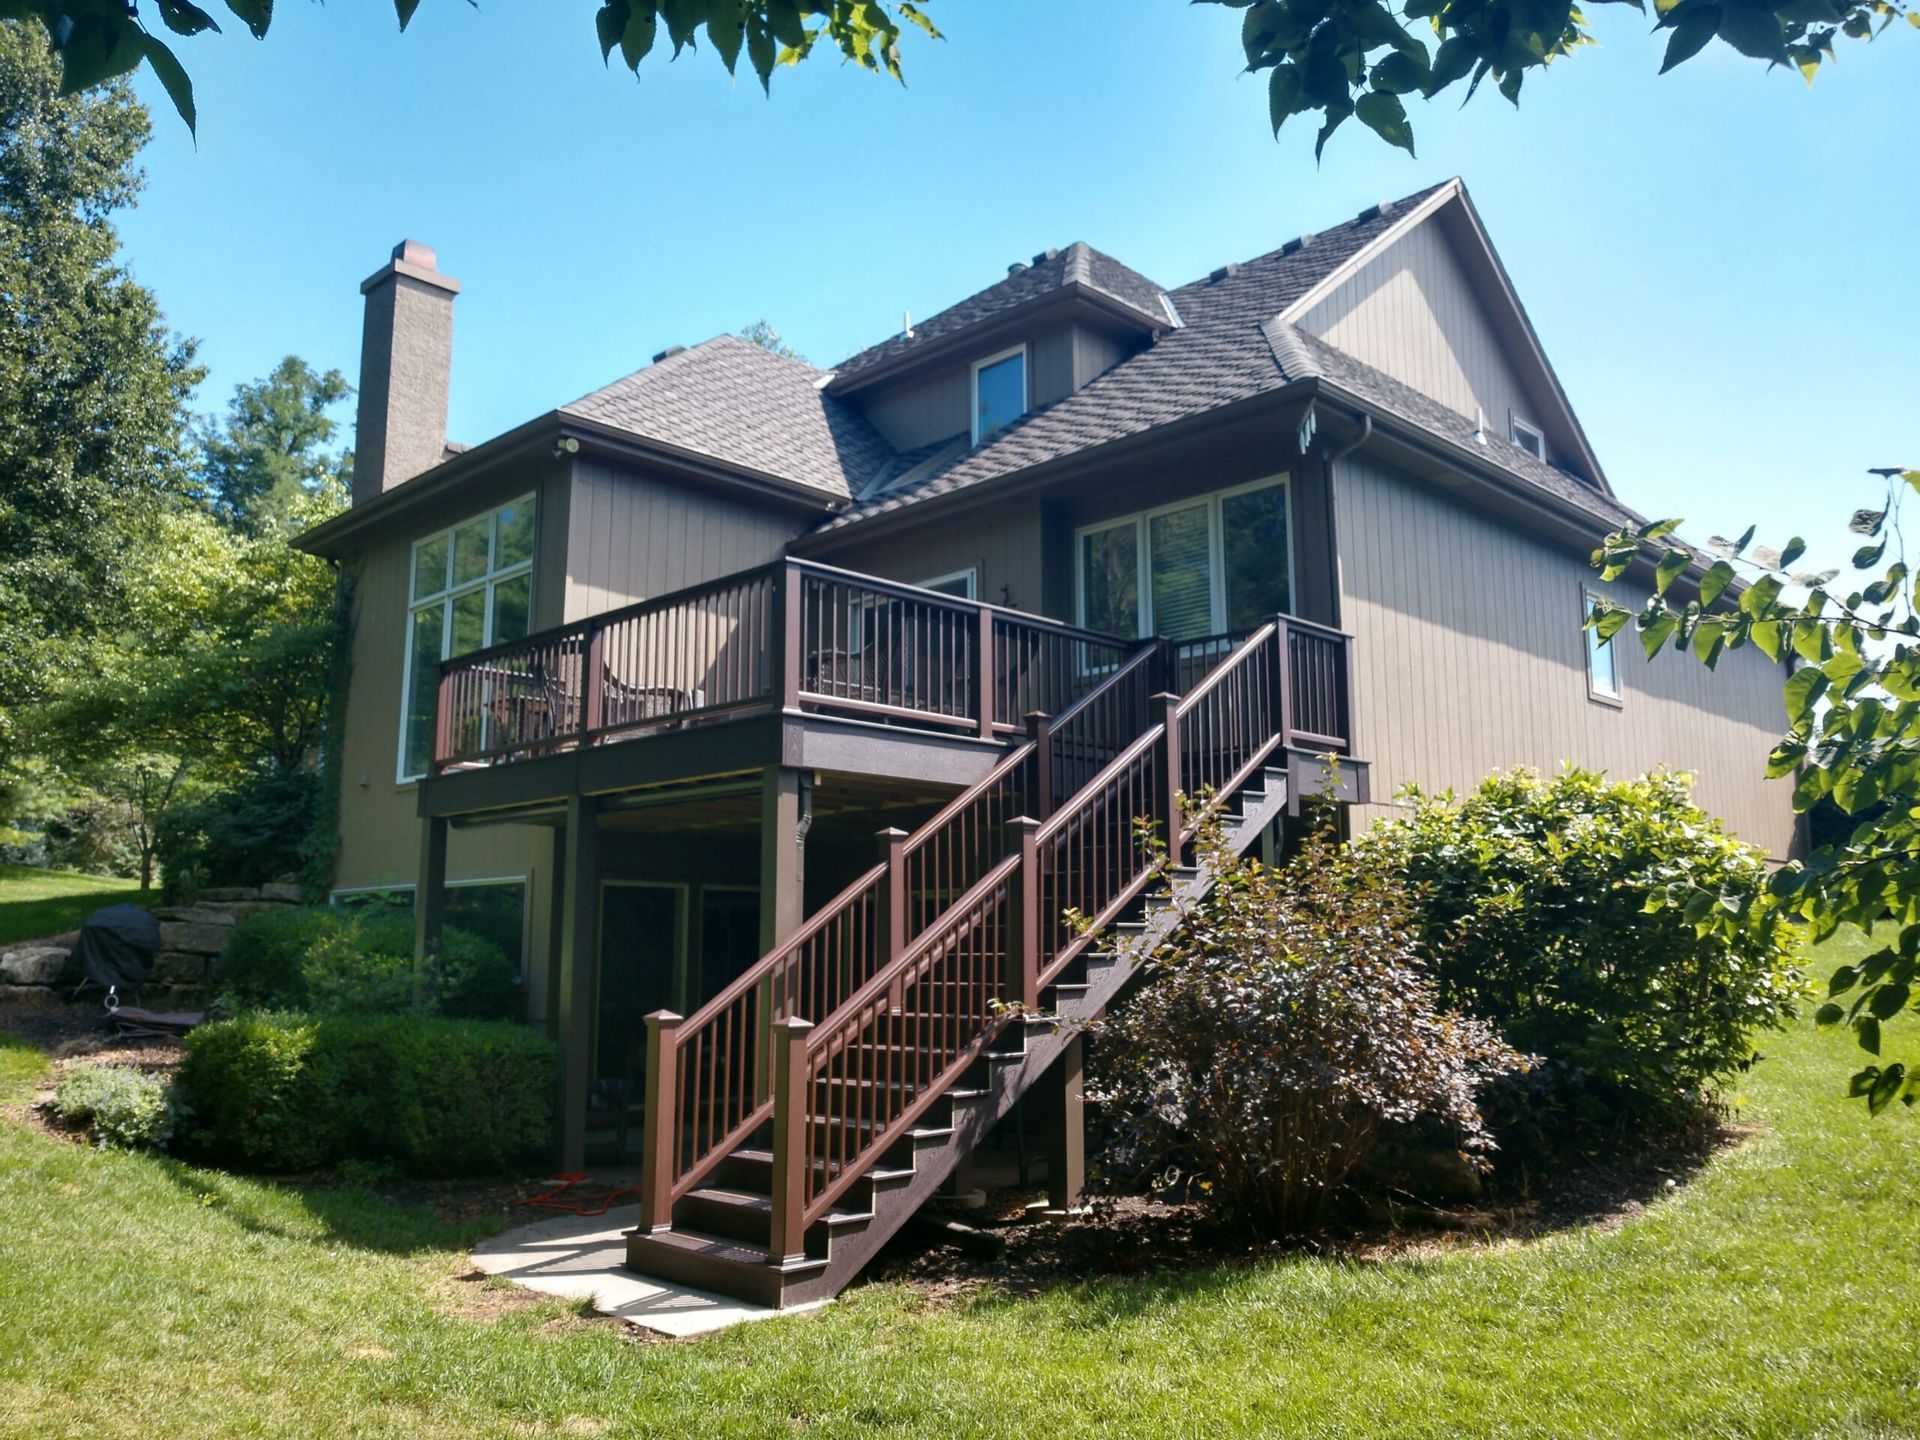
1603	675
999	391
472	586
1527	436
961	584
1220	562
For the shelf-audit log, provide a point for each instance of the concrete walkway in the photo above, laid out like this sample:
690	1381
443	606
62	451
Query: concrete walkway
583	1257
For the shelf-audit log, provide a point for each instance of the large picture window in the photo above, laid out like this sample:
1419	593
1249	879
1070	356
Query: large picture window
472	586
1222	562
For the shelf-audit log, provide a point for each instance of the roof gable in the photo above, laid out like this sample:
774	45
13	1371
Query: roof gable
1429	303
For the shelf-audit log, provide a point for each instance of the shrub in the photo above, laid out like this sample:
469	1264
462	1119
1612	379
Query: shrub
1610	926
120	1106
1285	1023
266	955
428	1096
344	963
256	832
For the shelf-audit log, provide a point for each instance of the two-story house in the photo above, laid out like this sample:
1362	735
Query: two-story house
792	707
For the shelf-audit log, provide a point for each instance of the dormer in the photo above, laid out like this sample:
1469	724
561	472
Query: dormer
1053	325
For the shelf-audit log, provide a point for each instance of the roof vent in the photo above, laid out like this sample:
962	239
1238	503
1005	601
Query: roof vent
1222	273
1046	255
1374	212
669	353
1016	267
1299	242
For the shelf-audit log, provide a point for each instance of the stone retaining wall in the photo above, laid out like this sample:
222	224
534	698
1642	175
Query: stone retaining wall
192	939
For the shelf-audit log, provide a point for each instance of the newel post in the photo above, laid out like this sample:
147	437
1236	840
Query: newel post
1022	979
981	671
662	1123
789	615
442	722
890	925
1040	732
788	1240
1283	679
1166	800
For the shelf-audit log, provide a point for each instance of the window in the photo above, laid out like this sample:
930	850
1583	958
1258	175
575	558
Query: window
1219	563
1527	437
472	587
1603	676
960	584
999	392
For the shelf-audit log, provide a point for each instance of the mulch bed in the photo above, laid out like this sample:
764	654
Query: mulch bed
1135	1236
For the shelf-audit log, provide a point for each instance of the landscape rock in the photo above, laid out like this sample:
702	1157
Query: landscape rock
197	937
178	967
232	892
284	890
34	965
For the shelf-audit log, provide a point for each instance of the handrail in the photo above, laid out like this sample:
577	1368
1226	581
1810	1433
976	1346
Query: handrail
1217	676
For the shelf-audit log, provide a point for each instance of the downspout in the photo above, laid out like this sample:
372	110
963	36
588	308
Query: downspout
1333	539
1366	434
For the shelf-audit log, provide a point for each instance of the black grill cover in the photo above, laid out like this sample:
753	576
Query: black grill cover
117	946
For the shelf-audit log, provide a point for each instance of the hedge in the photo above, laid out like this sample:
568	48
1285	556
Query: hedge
293	1092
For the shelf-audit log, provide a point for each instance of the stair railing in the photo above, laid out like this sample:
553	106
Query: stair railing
711	1077
856	1084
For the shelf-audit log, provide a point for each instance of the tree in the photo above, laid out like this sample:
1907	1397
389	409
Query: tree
1853	736
761	333
260	470
1338	58
93	390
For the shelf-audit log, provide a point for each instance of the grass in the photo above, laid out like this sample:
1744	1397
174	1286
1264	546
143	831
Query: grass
1777	1294
37	903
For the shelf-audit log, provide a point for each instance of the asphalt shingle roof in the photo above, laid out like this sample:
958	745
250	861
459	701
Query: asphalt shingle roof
1079	263
1219	355
743	405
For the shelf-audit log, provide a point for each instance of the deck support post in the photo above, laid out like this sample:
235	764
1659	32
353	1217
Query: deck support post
782	894
1165	712
1064	1088
787	1241
430	901
1282	681
656	1164
1021	983
577	961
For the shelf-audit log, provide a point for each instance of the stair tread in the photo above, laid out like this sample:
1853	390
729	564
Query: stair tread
754	1201
729	1252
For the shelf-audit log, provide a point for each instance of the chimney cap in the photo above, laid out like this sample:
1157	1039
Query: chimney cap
415	253
416	262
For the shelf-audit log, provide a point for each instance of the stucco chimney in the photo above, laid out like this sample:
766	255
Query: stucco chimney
406	356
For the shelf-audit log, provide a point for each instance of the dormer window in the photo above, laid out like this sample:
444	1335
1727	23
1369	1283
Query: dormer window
1527	437
999	391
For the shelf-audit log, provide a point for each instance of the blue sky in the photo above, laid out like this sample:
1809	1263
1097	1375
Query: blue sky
1719	261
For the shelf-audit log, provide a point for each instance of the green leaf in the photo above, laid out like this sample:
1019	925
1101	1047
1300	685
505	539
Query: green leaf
1654	634
1672	565
1885	1087
637	37
172	78
1867	1030
1796	547
726	27
98	50
1654	529
608	22
1284	97
1766	635
258	15
184	18
404	10
1386	117
1785	758
1804	688
1888	1001
1714	582
1753	29
1696	26
1400	73
1758	597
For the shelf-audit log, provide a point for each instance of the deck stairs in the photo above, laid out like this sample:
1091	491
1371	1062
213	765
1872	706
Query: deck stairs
802	1117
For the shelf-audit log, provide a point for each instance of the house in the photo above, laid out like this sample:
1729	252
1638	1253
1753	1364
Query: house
782	712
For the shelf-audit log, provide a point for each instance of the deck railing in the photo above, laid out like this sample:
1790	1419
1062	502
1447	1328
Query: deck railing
792	634
910	969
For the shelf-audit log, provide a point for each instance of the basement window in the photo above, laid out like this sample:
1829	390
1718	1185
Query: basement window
1527	437
999	392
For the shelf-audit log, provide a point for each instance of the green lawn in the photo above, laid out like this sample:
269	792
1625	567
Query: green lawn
1777	1294
37	903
